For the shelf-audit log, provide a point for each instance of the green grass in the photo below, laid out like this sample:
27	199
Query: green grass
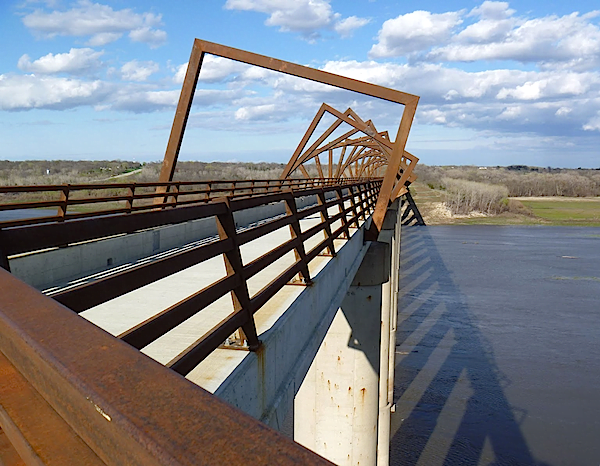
584	212
547	211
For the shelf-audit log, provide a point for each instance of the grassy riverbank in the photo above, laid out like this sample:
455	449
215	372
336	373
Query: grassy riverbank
552	210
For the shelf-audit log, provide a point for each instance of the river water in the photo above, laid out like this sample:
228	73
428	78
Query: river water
498	347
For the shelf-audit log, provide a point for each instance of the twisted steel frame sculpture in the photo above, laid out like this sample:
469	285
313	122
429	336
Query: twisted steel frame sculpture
372	155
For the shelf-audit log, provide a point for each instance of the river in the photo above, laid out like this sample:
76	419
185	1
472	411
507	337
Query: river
498	347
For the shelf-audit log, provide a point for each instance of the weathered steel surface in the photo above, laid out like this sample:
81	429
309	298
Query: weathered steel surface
388	153
120	404
362	197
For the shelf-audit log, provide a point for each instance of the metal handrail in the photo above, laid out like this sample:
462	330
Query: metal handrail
113	405
98	199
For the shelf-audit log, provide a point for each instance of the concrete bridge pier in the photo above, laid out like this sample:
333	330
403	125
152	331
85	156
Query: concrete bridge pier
343	406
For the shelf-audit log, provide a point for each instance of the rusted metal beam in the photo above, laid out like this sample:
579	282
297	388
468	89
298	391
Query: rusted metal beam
123	406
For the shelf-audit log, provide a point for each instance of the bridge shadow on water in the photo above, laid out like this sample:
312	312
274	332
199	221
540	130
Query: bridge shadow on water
451	408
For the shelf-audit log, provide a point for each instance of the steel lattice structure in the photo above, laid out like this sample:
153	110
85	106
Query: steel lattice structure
376	154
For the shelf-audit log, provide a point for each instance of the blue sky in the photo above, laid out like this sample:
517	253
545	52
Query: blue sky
500	83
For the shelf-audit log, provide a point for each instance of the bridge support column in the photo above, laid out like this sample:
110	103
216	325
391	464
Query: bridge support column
336	409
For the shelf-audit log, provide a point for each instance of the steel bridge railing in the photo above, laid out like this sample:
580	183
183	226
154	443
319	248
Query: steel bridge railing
122	405
100	199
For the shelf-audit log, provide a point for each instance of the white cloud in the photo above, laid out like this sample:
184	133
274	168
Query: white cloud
414	32
76	61
100	22
573	39
138	70
306	17
28	91
593	124
214	69
493	32
257	112
347	26
153	37
563	111
143	101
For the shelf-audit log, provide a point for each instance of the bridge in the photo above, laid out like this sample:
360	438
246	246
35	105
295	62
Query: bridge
206	322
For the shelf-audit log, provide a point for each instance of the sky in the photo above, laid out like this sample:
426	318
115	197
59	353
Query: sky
500	83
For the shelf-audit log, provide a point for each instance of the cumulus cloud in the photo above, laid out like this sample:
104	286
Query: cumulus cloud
100	22
138	70
145	101
307	17
414	32
347	26
153	37
492	32
76	61
27	92
570	38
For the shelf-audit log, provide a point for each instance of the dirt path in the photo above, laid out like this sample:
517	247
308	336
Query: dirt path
123	175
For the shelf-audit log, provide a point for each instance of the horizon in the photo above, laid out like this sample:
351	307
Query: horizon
283	163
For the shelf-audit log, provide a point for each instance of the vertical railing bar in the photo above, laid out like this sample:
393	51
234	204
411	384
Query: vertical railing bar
296	233
234	266
340	203
64	202
325	218
131	196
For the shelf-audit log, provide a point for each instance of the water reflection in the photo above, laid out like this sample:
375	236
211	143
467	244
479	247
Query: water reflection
451	408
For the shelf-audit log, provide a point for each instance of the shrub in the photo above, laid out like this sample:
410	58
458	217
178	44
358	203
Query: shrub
464	196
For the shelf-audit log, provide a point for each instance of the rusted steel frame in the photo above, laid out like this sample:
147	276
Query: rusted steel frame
26	239
356	152
256	232
269	290
313	209
30	205
342	210
193	355
296	234
130	197
156	326
256	201
315	149
181	114
318	164
325	219
394	162
312	231
341	160
28	221
260	263
126	407
97	292
406	175
362	202
195	63
4	260
37	433
8	454
349	117
361	126
297	160
354	207
234	266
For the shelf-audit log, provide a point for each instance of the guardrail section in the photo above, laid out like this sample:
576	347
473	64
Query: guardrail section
337	209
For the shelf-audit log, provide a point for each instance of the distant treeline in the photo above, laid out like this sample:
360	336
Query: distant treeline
46	172
518	180
39	172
